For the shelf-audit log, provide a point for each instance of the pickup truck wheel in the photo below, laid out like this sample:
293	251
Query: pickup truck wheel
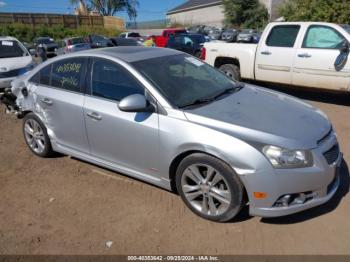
209	187
232	71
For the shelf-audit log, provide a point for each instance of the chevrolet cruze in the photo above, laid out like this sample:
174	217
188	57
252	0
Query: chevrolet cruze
167	118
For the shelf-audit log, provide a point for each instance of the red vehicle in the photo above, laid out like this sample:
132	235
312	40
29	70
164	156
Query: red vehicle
162	40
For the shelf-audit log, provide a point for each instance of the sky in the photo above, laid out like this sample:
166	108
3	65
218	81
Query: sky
148	9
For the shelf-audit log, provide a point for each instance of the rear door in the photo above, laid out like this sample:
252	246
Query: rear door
315	58
275	54
60	100
129	140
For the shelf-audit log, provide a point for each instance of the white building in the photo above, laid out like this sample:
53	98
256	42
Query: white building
210	12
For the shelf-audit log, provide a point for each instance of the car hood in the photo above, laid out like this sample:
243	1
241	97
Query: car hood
8	64
265	117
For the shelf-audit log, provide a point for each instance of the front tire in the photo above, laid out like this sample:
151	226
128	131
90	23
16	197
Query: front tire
35	135
209	187
232	71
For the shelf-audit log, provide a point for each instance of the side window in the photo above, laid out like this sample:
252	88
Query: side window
45	75
35	78
283	36
111	81
318	36
188	41
69	74
165	34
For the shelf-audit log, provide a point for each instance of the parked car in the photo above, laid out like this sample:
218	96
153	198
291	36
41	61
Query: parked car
48	44
188	43
197	29
132	35
15	60
305	54
215	34
230	35
119	41
71	45
246	36
98	41
167	118
162	40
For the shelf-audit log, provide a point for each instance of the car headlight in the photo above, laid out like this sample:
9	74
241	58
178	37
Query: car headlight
285	158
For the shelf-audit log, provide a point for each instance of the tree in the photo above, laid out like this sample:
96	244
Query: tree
245	13
333	11
110	7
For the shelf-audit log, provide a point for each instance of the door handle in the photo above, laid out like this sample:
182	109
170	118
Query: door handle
46	101
94	115
304	55
266	53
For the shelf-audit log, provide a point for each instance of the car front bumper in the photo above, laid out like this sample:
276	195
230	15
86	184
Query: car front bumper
319	183
6	82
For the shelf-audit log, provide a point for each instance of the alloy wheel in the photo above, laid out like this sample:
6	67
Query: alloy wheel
34	135
206	189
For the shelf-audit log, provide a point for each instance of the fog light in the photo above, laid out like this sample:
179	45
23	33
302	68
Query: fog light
284	201
300	199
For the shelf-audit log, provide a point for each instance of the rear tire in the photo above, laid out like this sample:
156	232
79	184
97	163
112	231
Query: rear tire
35	135
209	187
232	71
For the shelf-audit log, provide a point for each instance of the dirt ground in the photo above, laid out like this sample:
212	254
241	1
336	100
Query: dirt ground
64	206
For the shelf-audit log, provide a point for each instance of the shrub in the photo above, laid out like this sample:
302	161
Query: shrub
27	33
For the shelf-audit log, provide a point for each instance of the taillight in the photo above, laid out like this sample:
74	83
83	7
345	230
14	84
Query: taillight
204	53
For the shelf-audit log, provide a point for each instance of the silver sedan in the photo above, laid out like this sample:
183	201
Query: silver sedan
167	118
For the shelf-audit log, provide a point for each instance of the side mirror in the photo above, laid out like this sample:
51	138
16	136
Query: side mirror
342	58
345	47
135	103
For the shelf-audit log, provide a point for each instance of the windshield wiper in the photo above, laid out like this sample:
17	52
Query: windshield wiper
236	88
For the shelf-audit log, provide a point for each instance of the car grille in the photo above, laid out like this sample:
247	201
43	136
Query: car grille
332	154
11	73
326	137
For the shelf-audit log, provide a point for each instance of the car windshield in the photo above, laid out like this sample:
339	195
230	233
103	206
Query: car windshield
76	41
248	31
184	80
134	35
198	38
9	48
45	41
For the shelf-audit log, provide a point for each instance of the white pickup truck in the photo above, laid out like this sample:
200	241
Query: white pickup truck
306	54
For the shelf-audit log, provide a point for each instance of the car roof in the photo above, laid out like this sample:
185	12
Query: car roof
129	54
8	38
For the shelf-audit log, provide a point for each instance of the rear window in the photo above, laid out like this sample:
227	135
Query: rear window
283	36
68	74
75	41
45	75
9	48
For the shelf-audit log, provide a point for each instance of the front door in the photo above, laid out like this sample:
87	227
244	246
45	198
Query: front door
129	140
315	58
275	54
